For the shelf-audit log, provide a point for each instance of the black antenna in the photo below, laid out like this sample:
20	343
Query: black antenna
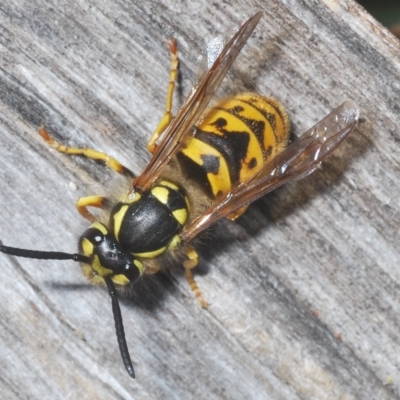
119	327
44	255
58	255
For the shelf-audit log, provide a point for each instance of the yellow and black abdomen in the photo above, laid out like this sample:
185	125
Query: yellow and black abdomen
234	141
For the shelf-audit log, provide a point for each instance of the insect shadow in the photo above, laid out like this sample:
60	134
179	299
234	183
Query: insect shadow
148	293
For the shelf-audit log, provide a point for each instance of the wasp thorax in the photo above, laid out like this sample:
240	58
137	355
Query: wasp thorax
109	258
150	225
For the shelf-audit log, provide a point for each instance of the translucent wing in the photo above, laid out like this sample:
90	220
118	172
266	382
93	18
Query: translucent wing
211	52
195	104
299	159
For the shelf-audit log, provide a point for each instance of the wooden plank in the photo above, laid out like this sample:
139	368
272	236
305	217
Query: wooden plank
303	289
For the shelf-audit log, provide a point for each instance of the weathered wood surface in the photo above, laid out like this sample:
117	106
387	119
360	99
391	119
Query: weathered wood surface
304	289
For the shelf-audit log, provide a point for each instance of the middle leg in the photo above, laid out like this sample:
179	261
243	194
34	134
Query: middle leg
111	162
189	264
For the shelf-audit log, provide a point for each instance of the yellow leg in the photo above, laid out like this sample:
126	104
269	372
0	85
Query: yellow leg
167	117
89	201
89	153
189	264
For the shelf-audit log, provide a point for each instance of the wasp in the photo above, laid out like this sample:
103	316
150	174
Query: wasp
206	164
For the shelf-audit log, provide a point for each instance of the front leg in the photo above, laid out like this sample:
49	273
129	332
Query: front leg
90	201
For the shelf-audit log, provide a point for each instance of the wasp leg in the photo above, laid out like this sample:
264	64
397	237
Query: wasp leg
90	201
189	264
167	117
236	214
87	152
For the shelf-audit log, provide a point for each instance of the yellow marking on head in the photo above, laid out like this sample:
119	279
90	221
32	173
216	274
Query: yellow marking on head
120	280
99	269
87	247
169	184
152	254
95	272
118	218
161	194
180	215
91	275
100	227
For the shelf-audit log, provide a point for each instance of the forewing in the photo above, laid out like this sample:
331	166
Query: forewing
195	104
299	159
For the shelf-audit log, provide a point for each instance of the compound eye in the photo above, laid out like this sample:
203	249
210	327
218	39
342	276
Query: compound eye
132	272
94	235
92	239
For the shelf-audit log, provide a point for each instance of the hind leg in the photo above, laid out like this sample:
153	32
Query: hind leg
167	117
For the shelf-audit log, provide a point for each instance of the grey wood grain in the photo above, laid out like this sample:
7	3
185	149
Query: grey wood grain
304	288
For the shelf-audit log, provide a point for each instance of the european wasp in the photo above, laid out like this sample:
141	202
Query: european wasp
205	165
